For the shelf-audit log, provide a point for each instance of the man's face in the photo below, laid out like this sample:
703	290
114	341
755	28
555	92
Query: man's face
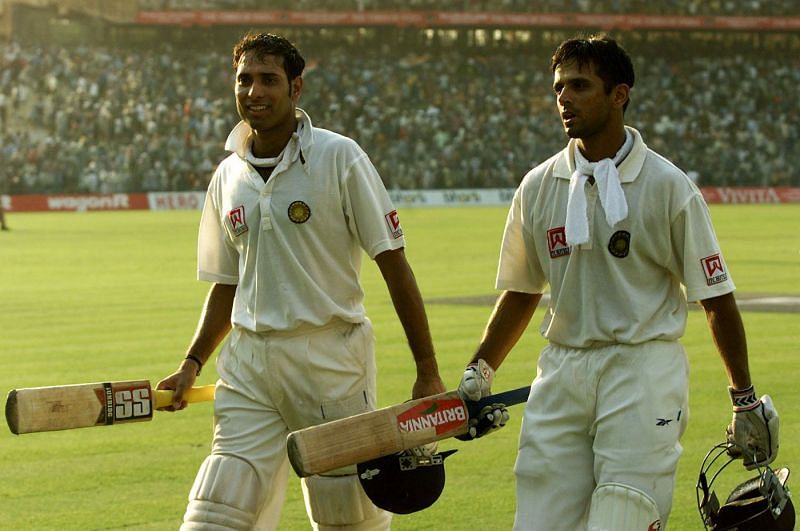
265	98
581	99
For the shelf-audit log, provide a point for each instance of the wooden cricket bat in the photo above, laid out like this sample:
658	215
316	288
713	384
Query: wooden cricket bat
374	434
63	407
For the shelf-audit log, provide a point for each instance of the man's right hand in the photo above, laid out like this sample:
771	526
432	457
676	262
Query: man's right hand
476	383
490	418
179	381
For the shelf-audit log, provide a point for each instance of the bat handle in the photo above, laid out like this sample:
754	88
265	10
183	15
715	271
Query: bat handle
203	393
507	398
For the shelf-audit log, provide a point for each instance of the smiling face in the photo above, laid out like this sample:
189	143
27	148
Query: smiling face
265	97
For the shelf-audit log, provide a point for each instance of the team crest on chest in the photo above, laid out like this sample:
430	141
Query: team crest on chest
714	269
557	242
237	221
620	243
299	212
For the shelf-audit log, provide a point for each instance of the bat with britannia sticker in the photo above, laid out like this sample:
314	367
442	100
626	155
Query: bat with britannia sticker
366	436
64	407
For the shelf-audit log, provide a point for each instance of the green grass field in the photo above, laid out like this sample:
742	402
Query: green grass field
113	296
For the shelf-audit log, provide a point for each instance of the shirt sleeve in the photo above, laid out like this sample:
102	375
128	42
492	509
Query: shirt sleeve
217	259
705	273
371	216
519	267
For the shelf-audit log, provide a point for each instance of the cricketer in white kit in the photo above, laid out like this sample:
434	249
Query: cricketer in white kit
623	242
281	239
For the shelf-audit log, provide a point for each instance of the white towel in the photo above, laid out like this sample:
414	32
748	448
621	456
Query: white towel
612	197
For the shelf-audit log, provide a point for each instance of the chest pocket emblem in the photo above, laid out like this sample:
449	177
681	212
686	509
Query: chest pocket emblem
620	244
299	212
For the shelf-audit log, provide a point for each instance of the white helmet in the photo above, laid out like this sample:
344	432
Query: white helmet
762	503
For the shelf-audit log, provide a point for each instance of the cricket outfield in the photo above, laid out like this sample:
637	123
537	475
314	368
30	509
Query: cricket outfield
112	296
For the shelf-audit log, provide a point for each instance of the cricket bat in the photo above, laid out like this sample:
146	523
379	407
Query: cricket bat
64	407
374	434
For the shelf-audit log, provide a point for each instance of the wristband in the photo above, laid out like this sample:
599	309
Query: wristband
197	361
743	399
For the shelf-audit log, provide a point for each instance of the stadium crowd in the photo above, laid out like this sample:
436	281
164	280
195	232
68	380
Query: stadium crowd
102	120
660	7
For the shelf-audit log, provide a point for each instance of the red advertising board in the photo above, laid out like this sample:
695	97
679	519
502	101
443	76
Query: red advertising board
445	19
76	202
403	198
751	195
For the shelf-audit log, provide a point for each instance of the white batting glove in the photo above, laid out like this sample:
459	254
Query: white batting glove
477	381
490	418
753	432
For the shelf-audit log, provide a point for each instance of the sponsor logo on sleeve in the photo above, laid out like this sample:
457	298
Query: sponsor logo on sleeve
393	221
557	242
237	222
714	269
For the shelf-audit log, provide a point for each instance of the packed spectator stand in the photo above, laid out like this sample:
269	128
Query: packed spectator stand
430	115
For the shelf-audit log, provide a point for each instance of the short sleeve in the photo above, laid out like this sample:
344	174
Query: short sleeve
519	267
371	215
217	259
705	273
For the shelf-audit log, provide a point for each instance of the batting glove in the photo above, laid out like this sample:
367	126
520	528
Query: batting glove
477	381
489	419
753	432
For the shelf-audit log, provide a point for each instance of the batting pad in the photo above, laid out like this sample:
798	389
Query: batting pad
225	495
336	501
616	506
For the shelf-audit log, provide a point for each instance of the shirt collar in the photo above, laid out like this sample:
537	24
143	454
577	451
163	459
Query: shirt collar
239	138
628	170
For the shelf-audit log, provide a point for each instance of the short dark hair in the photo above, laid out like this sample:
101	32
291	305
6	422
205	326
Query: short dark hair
271	44
611	62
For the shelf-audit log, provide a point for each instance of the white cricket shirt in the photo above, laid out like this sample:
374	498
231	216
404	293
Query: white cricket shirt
293	245
630	283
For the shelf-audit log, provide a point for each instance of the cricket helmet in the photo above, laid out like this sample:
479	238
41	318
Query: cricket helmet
762	503
405	482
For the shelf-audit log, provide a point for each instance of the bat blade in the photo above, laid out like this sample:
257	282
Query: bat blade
64	407
385	431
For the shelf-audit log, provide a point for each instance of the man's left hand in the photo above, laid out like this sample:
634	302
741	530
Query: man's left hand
753	432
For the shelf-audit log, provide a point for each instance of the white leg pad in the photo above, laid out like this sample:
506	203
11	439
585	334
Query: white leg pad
618	507
226	495
339	503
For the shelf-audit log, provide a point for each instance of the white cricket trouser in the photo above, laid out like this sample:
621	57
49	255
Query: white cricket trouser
611	414
271	384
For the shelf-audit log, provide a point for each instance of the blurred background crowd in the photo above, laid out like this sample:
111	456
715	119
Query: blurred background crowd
431	112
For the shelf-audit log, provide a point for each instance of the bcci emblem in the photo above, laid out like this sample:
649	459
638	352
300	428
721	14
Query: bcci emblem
620	244
299	212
